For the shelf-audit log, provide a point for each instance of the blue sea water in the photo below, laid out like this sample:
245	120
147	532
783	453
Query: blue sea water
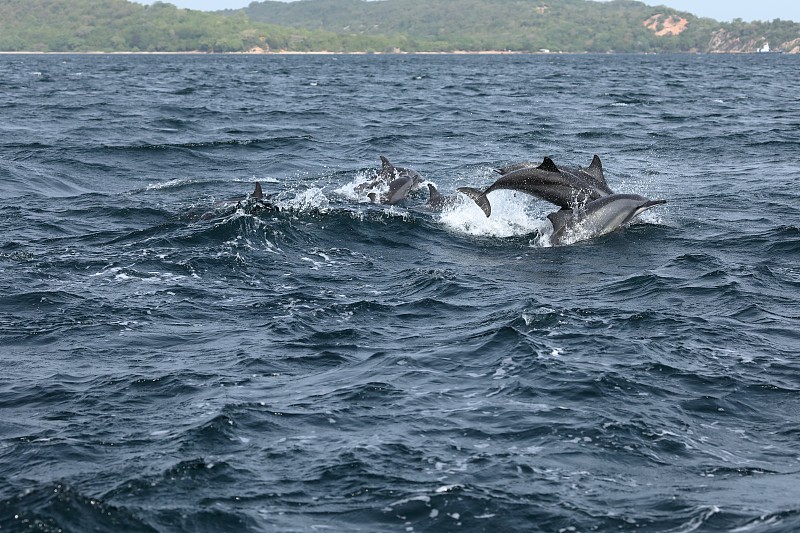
175	361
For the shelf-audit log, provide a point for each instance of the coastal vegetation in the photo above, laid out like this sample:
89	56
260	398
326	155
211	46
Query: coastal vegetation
380	26
123	26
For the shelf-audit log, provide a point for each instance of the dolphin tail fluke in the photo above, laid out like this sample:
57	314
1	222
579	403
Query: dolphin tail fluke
258	193
479	197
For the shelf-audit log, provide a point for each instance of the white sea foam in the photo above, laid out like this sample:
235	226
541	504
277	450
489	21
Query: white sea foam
350	191
176	182
309	200
511	216
420	498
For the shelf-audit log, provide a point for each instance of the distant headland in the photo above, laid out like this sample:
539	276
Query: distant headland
389	26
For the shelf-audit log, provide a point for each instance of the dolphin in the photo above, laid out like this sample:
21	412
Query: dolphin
594	172
438	201
516	166
257	201
398	190
546	181
387	174
598	217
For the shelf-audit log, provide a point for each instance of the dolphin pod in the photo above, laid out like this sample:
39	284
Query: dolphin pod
589	207
565	187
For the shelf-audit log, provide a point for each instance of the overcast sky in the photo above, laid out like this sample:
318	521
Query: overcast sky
716	9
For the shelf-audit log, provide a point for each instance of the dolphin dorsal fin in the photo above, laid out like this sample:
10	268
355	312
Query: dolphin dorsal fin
387	169
596	169
559	219
548	165
258	193
434	192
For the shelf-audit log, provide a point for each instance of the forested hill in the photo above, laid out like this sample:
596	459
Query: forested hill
530	25
123	26
379	26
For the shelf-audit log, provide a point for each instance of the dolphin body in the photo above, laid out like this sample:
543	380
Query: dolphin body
598	217
258	202
565	187
438	201
389	173
401	181
398	190
594	172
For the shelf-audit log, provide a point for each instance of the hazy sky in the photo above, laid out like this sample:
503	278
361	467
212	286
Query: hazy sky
716	9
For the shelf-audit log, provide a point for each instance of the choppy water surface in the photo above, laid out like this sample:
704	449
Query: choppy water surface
173	361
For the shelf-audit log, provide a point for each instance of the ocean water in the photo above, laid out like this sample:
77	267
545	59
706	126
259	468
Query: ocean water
174	359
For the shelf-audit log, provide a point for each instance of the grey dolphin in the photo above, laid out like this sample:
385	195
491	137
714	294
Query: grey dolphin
398	190
387	174
600	216
258	201
401	181
594	172
438	201
546	181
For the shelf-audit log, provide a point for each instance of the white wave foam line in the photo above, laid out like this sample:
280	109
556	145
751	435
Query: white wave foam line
510	217
129	274
254	178
176	182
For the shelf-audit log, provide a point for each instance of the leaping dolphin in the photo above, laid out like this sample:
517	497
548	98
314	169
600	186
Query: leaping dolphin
401	181
398	190
598	217
594	172
387	174
546	181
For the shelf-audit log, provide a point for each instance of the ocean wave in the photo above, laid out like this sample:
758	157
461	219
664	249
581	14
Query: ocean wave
57	505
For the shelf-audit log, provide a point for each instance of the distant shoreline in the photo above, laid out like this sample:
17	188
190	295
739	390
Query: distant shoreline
290	52
325	53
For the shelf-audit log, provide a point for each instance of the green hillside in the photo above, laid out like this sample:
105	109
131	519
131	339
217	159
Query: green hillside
379	26
525	25
123	26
